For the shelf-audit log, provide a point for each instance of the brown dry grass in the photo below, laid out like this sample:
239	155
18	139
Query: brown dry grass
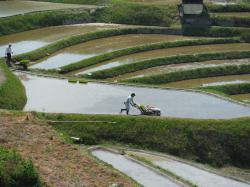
58	163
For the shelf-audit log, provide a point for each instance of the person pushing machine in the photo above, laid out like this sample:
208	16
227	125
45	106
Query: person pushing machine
8	54
128	102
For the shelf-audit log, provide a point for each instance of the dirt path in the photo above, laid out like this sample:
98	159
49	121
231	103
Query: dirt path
58	163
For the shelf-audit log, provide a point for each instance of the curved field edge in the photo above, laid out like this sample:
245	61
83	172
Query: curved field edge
12	92
29	21
215	142
142	48
15	171
193	74
230	21
73	40
179	59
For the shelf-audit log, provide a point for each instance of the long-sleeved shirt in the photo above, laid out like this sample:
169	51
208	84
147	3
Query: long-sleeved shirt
8	50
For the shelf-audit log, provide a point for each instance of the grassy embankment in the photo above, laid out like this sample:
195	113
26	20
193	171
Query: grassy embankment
14	171
193	74
87	2
216	142
28	21
142	48
12	92
179	59
230	21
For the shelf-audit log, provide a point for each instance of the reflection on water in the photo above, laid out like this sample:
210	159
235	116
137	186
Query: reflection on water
99	46
53	95
141	174
31	40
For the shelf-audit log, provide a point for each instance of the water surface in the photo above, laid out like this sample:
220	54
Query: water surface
31	40
59	96
141	174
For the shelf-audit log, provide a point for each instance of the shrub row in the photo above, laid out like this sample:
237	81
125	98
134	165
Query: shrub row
73	40
216	142
230	89
124	12
128	68
148	47
239	7
193	74
20	23
230	21
12	92
14	171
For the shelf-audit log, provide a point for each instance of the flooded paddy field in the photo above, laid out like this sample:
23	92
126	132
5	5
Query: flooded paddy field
143	175
210	81
178	67
197	176
31	40
15	7
95	47
169	52
59	96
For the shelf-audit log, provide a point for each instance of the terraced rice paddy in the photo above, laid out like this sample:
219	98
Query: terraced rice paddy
169	52
99	46
94	98
197	176
30	40
15	7
242	97
178	67
207	81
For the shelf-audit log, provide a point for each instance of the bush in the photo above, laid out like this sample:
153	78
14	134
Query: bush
128	68
231	89
36	20
142	48
193	74
14	171
12	92
216	142
137	14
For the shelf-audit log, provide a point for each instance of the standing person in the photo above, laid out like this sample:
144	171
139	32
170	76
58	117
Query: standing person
8	54
128	102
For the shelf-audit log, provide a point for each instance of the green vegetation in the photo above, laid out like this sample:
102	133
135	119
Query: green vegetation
73	40
231	21
128	68
216	142
14	171
138	14
230	89
88	2
142	48
36	20
245	36
193	74
12	92
239	7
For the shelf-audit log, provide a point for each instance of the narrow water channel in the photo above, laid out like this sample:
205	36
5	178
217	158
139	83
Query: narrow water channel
59	96
141	174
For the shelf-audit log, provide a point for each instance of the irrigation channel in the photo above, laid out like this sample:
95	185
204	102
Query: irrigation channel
60	96
15	7
142	173
34	39
92	48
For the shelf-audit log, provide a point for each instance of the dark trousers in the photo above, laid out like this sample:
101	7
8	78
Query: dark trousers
8	60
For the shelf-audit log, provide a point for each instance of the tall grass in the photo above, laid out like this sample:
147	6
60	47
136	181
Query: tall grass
216	142
142	48
12	92
193	74
239	7
14	171
137	66
231	21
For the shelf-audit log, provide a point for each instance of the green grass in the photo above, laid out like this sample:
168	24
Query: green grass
193	74
142	48
215	142
230	89
137	66
12	92
14	171
87	2
28	21
239	7
231	21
